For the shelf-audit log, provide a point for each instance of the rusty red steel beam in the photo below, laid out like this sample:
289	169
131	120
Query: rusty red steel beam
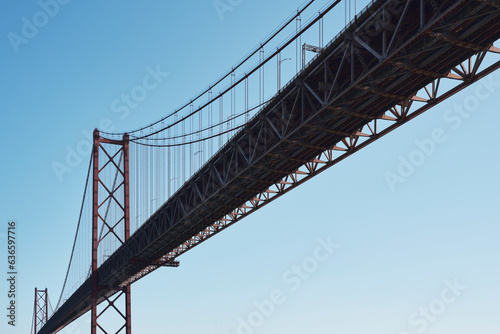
326	159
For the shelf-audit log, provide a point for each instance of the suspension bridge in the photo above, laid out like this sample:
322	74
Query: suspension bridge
155	192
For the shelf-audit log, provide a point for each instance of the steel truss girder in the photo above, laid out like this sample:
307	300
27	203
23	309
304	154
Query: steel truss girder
250	171
222	169
316	99
397	115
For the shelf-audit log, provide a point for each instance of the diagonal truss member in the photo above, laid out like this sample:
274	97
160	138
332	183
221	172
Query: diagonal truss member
464	74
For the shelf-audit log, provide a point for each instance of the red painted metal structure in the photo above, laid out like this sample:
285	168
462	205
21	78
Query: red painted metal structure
41	308
109	226
364	84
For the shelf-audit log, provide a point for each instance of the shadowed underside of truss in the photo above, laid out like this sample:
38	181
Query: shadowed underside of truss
363	85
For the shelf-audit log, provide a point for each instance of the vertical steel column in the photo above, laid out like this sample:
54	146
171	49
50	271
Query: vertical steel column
34	307
126	185
46	305
95	221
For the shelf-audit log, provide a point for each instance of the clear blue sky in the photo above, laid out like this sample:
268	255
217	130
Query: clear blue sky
398	250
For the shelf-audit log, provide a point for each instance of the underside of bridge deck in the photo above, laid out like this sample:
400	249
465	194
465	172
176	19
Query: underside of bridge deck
370	72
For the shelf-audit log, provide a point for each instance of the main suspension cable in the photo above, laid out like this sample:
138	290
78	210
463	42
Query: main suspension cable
76	235
146	137
190	142
227	74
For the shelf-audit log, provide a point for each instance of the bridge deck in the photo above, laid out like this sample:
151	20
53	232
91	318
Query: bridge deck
357	77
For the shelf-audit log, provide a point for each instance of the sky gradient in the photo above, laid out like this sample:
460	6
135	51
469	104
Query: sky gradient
347	252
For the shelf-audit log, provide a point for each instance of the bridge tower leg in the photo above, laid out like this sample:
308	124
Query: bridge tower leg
41	308
110	194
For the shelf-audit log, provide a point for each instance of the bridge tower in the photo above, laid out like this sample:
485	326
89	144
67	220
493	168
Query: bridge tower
41	308
110	157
